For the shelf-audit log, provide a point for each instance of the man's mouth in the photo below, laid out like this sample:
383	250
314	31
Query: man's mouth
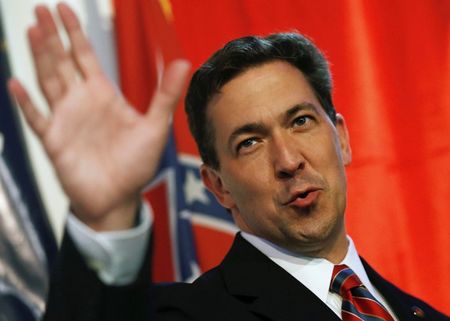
305	198
303	195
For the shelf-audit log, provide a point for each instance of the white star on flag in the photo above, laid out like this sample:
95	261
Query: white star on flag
194	189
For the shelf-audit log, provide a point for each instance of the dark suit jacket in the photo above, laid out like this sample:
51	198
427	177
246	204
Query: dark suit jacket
245	286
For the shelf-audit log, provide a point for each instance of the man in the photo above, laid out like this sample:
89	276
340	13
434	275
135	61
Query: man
274	153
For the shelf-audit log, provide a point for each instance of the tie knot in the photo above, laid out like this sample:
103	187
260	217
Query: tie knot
344	279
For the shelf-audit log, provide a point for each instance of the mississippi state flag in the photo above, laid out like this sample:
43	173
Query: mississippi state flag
191	232
390	64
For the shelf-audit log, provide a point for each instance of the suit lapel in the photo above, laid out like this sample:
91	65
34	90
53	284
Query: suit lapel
267	289
401	303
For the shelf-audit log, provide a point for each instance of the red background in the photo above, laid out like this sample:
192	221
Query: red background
391	65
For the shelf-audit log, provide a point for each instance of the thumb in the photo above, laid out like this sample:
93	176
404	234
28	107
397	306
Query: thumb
167	95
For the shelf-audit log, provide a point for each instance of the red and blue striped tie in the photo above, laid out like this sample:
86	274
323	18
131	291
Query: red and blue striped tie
357	302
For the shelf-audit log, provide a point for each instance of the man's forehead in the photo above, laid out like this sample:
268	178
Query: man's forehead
274	86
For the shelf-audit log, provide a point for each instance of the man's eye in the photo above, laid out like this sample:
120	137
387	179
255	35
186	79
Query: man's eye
246	143
301	121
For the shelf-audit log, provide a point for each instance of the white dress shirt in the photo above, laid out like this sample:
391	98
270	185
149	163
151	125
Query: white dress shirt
117	257
315	273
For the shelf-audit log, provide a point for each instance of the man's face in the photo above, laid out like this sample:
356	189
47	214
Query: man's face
281	160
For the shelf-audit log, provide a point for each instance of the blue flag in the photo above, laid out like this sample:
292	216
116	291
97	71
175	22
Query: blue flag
27	244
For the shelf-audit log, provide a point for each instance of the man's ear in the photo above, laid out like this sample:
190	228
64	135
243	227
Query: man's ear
344	139
213	182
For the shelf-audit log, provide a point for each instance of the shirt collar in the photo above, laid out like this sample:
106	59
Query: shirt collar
314	273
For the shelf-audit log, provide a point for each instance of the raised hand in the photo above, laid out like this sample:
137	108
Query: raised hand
103	151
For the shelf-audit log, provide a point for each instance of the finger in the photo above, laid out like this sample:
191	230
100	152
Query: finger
82	51
48	25
44	62
64	65
34	118
166	97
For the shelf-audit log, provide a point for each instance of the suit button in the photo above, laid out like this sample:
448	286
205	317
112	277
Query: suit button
418	312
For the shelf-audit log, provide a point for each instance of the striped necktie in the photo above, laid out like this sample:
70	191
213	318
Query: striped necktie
357	302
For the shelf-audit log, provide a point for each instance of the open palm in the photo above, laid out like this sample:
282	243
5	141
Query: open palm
102	149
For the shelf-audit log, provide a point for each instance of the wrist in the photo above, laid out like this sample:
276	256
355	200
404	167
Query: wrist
121	217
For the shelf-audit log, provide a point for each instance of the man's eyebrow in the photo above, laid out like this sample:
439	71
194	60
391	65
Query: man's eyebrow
245	129
261	129
295	109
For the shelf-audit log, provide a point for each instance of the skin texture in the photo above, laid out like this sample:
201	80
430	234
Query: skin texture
102	150
274	141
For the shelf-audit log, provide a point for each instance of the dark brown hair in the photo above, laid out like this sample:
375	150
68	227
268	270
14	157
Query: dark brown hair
236	57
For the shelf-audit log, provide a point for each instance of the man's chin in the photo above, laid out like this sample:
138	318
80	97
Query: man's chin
313	243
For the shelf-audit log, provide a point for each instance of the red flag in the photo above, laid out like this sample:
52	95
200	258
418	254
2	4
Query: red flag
146	43
391	66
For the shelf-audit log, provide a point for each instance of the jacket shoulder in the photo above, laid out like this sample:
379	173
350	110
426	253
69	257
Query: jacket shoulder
405	305
206	298
188	301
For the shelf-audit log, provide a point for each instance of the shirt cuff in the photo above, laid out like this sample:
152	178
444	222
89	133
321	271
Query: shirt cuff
116	256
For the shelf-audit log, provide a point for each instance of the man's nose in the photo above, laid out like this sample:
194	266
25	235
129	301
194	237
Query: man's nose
287	157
